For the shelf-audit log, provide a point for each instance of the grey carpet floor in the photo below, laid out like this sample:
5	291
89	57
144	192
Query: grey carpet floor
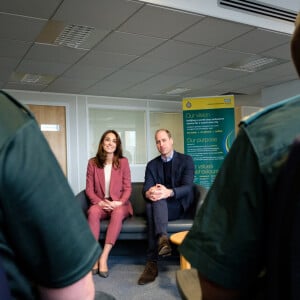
124	272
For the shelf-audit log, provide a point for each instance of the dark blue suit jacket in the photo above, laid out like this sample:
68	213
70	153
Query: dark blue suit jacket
182	177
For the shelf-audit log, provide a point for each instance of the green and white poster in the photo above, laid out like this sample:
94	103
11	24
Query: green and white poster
209	130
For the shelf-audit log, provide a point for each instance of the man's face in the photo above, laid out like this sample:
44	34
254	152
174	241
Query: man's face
164	144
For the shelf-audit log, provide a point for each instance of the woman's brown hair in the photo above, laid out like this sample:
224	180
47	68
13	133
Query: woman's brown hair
100	157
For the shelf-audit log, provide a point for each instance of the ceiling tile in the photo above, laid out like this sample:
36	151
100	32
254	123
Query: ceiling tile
149	65
272	73
13	48
206	91
67	85
257	41
282	52
218	57
166	97
140	90
106	86
186	69
85	72
224	74
51	53
199	82
129	76
127	43
157	84
24	87
8	63
212	32
234	84
33	8
43	68
106	14
7	66
159	22
19	28
177	51
107	59
132	93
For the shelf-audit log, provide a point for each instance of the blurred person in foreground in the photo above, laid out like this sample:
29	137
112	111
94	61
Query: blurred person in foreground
46	246
226	245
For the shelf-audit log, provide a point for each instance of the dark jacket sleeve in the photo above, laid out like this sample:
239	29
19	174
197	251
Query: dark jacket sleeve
152	174
183	175
183	170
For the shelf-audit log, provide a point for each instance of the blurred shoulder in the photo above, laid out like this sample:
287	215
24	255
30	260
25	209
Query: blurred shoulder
124	161
154	160
183	156
92	161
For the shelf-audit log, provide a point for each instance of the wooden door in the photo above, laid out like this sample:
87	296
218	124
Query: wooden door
52	121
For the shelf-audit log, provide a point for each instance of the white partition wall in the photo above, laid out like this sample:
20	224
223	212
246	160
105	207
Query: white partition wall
78	127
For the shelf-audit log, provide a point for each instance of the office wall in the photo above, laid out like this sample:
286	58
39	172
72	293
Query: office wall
77	119
280	92
77	125
248	100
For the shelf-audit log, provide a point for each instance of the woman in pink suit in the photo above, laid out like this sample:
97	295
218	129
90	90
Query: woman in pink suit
108	187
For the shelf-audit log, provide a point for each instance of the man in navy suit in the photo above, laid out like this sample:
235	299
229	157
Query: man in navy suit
168	191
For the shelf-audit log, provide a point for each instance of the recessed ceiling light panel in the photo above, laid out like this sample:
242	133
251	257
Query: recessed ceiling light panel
73	35
254	64
177	91
28	78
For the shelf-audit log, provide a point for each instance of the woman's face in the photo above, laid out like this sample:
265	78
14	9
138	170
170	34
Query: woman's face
110	143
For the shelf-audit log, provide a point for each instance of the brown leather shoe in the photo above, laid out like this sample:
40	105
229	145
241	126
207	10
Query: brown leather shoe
149	274
164	247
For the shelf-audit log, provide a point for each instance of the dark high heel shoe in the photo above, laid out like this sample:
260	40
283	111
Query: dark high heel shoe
95	271
103	274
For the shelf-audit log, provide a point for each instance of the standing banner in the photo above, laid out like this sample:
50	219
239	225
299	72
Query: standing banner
209	130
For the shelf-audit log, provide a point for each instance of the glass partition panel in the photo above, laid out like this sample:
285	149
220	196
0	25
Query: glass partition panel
131	126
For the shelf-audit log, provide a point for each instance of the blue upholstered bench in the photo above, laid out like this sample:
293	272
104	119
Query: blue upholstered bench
135	227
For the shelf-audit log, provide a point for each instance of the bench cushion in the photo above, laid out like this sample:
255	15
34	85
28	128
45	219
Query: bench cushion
135	227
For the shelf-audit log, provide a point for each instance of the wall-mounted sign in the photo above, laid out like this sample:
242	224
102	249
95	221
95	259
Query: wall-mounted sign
50	127
209	130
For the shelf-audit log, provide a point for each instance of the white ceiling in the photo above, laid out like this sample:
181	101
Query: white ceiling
137	50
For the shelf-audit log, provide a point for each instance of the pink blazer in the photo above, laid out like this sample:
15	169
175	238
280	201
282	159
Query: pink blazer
120	183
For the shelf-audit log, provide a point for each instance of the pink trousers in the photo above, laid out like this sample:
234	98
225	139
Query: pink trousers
96	214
